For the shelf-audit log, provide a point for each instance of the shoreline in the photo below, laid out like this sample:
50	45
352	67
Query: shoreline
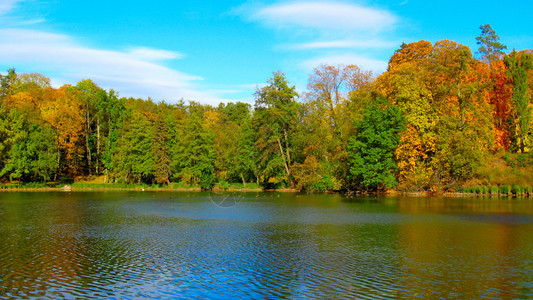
68	188
391	193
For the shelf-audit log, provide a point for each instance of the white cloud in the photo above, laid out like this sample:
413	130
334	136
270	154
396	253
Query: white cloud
338	31
149	54
133	73
353	44
325	15
7	5
9	17
365	63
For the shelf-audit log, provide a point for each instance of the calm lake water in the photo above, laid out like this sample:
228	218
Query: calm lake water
262	245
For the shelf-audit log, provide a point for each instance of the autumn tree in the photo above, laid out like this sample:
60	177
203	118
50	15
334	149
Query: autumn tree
440	90
319	148
337	96
330	87
407	84
326	84
63	111
498	88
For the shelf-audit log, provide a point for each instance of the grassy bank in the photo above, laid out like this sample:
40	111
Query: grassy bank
96	183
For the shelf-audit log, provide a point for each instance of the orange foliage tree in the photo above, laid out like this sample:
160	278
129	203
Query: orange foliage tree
63	110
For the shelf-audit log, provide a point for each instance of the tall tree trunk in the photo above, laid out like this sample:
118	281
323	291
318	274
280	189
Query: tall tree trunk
87	133
97	145
285	163
58	162
461	104
243	182
287	147
332	110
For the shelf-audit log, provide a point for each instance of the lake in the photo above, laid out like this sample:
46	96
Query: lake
130	245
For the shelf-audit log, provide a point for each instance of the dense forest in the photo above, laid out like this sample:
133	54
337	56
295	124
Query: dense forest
440	117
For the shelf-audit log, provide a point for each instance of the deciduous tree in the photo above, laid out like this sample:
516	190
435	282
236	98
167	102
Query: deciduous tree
517	70
274	118
371	150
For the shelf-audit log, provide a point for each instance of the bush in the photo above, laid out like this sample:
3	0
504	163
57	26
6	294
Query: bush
509	160
516	189
477	190
223	184
484	190
271	185
236	185
522	159
527	190
252	185
493	190
504	189
179	185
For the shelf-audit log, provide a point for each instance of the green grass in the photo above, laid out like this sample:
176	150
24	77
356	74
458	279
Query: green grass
87	185
180	185
99	185
25	185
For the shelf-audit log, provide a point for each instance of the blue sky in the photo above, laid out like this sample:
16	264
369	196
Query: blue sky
213	51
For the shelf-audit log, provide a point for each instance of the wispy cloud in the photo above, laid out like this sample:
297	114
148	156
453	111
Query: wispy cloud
352	44
335	32
7	5
149	54
134	73
324	15
9	17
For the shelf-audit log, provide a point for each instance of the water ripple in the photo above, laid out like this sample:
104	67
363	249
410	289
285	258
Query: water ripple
162	247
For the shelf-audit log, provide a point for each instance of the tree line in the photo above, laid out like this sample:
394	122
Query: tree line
430	121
